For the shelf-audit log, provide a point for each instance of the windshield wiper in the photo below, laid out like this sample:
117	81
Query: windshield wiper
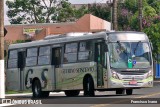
121	47
136	47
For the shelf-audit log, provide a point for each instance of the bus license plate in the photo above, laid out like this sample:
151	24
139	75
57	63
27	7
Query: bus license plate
133	82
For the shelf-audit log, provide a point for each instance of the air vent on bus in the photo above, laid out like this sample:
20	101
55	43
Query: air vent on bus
73	34
133	72
54	37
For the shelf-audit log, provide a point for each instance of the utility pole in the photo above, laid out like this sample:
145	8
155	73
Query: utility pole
140	14
110	4
115	27
2	76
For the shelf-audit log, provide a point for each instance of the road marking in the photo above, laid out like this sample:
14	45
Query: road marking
3	105
103	105
22	94
148	95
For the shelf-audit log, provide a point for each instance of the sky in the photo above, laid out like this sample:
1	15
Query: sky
6	22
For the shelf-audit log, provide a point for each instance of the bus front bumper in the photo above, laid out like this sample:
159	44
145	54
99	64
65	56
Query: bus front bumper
116	83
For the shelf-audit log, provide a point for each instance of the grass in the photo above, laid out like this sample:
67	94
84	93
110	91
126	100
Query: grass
16	92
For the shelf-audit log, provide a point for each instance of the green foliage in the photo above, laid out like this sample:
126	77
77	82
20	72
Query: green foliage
21	41
134	22
154	36
155	4
68	13
101	11
131	5
42	11
81	11
149	11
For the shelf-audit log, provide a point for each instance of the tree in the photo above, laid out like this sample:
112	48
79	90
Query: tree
32	11
100	11
69	13
38	11
155	4
153	33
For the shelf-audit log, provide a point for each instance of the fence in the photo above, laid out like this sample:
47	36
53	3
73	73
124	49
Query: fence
157	74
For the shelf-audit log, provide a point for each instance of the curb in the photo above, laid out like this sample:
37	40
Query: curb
52	93
29	94
157	81
18	94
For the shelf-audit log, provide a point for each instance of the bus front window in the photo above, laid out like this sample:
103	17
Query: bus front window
137	52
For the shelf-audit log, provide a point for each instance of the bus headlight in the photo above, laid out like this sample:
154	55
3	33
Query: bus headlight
115	75
149	74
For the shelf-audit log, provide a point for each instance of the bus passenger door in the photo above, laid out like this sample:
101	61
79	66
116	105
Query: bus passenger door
99	59
21	65
15	76
56	62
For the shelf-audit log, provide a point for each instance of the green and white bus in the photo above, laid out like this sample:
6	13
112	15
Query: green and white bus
104	61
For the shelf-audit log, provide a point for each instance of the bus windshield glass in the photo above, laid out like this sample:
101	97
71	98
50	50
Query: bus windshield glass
122	54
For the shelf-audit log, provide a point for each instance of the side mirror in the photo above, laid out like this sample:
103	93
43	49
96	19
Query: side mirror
151	45
105	48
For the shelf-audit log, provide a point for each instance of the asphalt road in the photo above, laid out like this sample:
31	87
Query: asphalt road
146	97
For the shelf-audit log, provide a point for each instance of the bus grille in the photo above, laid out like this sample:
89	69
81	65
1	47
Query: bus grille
133	72
129	79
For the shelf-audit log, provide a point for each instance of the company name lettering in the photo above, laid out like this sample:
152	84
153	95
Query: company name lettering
78	70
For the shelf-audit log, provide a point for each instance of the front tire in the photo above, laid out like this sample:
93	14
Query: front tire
88	87
71	93
36	89
129	91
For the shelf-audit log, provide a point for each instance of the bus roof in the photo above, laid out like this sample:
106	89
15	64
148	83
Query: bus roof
129	36
58	40
75	38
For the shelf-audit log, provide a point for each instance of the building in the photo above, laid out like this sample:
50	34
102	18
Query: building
87	23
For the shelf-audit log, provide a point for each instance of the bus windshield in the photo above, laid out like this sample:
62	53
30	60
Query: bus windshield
123	53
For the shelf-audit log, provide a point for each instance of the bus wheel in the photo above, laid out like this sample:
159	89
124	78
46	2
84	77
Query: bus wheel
36	89
45	93
129	91
120	91
88	87
72	93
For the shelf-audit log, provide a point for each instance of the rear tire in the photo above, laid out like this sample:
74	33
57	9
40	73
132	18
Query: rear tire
129	91
36	89
71	93
88	87
120	91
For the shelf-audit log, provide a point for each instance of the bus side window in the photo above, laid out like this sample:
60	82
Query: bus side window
31	59
44	55
12	59
85	51
70	52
